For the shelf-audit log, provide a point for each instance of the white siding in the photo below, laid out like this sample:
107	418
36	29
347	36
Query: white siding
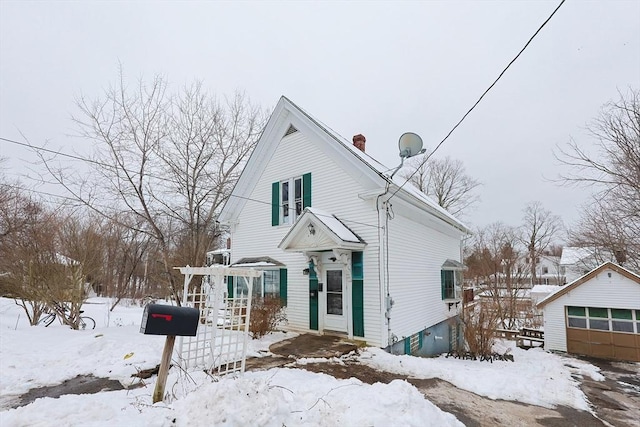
555	337
602	291
416	255
334	191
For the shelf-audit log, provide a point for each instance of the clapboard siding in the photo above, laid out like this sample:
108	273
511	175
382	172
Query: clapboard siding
416	254
334	191
601	291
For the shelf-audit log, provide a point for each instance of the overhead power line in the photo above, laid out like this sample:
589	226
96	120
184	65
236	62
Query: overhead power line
481	97
33	147
58	153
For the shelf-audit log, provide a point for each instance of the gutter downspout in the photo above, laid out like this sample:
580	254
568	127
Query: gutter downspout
383	239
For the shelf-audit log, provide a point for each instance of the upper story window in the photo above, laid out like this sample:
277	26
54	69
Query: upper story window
289	198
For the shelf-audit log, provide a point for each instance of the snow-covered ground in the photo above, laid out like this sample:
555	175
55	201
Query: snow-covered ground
36	356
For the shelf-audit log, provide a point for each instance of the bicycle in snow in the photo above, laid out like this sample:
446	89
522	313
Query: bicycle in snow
84	322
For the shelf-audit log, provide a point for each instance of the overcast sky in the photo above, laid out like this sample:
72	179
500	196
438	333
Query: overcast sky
376	68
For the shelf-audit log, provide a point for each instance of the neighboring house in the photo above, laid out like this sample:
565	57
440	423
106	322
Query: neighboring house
596	315
549	270
537	294
347	248
577	262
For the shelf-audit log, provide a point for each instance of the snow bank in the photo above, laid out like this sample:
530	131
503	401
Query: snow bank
536	377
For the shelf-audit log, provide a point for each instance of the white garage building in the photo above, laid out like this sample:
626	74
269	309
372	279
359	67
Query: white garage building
596	315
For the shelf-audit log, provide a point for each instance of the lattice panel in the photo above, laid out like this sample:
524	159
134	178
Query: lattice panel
220	345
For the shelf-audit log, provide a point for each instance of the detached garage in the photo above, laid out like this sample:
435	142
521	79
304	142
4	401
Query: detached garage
596	315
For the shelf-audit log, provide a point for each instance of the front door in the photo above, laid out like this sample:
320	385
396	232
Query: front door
335	313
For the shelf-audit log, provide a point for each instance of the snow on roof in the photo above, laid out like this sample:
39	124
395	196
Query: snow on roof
264	261
219	251
453	264
385	171
545	289
335	225
572	255
365	157
253	264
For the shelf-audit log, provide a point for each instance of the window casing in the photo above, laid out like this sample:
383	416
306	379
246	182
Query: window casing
451	282
604	319
267	285
291	200
289	197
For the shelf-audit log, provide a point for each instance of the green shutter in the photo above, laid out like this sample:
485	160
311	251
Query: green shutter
313	302
407	345
306	190
420	338
357	293
229	286
283	286
275	203
443	279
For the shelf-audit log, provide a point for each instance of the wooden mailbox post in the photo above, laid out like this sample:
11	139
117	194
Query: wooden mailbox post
171	321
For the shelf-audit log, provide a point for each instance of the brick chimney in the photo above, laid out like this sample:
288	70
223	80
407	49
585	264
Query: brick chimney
358	141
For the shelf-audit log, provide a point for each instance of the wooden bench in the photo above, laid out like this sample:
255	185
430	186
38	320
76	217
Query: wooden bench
532	336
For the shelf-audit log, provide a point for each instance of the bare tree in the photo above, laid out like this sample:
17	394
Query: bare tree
540	228
494	258
611	167
444	180
169	160
26	245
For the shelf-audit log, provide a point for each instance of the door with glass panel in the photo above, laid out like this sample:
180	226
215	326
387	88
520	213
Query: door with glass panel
335	313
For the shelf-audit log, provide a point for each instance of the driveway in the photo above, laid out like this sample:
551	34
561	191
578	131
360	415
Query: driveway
617	398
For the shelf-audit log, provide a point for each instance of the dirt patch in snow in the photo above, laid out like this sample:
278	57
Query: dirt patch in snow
82	384
617	398
471	409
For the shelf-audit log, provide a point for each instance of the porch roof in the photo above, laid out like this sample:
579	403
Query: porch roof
263	261
317	230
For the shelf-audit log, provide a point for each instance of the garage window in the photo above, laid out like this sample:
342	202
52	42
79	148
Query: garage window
622	320
604	319
577	317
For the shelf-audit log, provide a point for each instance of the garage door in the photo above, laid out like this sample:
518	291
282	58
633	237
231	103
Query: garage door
604	332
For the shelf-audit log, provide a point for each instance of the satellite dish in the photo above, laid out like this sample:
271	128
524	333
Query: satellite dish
410	144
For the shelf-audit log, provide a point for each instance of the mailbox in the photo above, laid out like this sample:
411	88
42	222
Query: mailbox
159	319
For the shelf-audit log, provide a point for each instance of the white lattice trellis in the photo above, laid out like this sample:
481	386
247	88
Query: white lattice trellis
220	345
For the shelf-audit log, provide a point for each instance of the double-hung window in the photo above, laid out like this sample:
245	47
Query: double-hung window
289	198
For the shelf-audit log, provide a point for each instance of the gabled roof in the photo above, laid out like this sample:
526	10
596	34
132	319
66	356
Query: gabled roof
452	264
318	230
368	170
590	275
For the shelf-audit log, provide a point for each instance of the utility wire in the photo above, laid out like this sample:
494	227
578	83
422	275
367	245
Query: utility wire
33	147
44	193
481	97
58	153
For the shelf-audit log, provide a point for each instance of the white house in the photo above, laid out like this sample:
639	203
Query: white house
596	315
578	261
349	249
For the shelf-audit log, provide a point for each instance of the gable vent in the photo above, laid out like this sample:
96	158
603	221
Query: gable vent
290	130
